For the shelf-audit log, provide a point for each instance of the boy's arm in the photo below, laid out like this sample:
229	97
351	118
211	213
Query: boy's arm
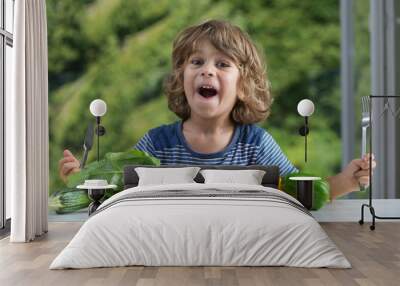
356	173
340	185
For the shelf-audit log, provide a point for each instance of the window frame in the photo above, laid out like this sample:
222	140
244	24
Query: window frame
6	39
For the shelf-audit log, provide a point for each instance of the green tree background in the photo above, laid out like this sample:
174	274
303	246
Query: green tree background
119	51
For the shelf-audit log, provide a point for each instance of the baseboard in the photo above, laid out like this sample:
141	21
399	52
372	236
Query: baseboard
350	210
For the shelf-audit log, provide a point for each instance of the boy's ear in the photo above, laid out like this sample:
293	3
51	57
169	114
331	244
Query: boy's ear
240	94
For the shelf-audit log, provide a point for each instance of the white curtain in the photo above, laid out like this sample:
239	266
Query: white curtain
27	151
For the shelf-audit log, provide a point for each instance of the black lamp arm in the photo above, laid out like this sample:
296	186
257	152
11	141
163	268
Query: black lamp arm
100	131
304	130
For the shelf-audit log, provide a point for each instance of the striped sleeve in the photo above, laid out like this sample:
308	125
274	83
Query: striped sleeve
145	144
271	154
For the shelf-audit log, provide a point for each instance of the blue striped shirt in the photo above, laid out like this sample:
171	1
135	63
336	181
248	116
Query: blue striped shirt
250	145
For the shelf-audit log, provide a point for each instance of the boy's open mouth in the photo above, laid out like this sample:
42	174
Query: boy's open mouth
207	91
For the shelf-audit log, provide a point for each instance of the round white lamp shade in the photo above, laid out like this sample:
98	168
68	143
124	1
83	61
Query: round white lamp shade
305	107
98	107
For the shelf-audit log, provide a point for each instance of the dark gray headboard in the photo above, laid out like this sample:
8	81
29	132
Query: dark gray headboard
270	179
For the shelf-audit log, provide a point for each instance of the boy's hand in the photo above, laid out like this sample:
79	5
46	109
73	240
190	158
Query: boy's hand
68	165
357	171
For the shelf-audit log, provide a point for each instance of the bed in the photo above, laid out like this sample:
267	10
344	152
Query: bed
201	224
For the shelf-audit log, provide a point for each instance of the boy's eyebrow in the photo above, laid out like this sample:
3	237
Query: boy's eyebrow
195	52
219	54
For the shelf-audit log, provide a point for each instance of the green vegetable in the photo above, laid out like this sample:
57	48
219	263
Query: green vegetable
321	189
68	200
110	168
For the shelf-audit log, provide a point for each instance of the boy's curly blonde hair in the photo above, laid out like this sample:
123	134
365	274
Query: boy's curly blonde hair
254	96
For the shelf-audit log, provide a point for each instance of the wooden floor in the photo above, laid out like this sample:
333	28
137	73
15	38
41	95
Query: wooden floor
374	255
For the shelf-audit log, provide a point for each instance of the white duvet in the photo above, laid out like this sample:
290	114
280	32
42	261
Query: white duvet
207	230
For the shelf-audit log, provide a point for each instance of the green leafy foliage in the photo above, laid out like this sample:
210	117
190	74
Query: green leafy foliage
110	168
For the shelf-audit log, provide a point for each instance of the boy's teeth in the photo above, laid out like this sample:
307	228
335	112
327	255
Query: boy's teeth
207	91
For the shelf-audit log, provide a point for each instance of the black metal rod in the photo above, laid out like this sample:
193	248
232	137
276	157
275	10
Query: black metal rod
305	138
371	208
383	96
305	147
387	217
98	147
98	137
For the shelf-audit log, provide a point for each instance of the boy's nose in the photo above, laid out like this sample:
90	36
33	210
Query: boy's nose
207	73
207	70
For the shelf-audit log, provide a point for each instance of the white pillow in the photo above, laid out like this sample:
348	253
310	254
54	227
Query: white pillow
249	177
163	176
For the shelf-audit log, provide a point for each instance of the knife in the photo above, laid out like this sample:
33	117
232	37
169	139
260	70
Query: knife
87	144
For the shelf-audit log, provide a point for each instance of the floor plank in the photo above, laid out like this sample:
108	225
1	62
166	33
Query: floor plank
374	255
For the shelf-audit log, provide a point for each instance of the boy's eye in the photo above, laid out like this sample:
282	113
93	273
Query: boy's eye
223	64
196	62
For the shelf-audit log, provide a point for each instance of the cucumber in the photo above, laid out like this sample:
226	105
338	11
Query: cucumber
71	200
110	168
68	201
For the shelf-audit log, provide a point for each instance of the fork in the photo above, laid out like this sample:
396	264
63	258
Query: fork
365	122
87	144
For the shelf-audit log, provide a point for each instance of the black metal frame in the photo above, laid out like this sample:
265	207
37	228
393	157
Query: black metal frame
369	205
